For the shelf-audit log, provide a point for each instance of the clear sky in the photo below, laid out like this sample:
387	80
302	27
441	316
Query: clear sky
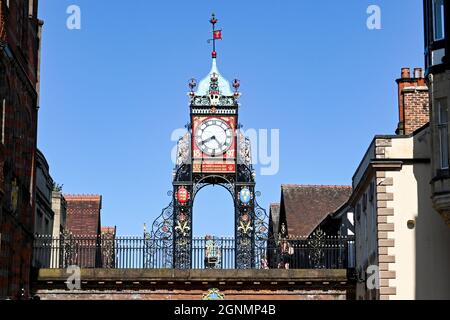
113	92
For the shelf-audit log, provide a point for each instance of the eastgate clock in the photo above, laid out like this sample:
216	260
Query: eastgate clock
214	137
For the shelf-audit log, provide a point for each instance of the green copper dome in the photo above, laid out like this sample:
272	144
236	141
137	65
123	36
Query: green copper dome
224	85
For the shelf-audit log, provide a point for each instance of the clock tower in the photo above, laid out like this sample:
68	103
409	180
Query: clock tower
213	152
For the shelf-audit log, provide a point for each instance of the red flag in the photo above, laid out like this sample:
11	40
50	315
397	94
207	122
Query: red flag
218	35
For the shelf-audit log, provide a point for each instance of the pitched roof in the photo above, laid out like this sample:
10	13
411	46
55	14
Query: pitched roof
306	206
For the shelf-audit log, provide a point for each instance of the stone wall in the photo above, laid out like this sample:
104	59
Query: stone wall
116	284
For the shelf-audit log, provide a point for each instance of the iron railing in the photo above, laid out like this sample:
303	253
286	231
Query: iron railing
218	253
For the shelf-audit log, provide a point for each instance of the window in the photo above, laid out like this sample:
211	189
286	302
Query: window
438	20
436	32
374	220
366	228
371	191
39	220
31	8
442	109
364	202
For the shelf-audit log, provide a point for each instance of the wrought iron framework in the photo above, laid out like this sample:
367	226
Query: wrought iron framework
172	230
316	252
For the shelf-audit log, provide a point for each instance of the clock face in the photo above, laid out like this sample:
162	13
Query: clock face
214	137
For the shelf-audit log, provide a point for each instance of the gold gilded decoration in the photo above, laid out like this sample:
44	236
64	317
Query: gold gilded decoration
245	227
213	294
197	167
197	154
231	154
183	227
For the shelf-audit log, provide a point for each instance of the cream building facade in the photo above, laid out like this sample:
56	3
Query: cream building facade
402	244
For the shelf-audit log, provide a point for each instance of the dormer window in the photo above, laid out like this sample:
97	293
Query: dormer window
438	20
436	33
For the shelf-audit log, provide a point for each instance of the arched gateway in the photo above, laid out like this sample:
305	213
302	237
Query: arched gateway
212	152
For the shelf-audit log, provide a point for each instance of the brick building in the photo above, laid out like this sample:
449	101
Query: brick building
83	214
20	32
413	104
83	222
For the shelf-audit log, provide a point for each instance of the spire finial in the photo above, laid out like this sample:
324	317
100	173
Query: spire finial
217	34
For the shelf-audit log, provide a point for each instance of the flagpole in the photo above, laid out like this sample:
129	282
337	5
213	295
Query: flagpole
213	22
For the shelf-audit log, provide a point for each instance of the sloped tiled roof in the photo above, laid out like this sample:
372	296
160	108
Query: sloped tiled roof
306	206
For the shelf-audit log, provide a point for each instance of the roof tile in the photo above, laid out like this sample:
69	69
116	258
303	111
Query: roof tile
306	206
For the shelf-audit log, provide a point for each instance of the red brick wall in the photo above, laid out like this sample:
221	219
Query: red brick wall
19	33
413	103
83	214
83	219
417	110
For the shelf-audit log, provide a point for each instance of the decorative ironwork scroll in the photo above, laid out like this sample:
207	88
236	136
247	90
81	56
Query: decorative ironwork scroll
261	234
182	226
317	243
160	238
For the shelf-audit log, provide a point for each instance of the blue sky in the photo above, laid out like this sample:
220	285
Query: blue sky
113	92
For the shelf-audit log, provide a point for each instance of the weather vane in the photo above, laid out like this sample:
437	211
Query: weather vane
217	34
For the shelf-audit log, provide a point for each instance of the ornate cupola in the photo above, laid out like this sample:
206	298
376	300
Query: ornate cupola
214	83
214	90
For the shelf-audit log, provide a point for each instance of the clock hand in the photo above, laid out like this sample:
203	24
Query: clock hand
209	139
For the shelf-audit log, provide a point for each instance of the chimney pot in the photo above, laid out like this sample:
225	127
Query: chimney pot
406	73
418	73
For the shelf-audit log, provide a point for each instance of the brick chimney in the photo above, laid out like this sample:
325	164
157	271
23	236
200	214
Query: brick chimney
413	103
84	214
